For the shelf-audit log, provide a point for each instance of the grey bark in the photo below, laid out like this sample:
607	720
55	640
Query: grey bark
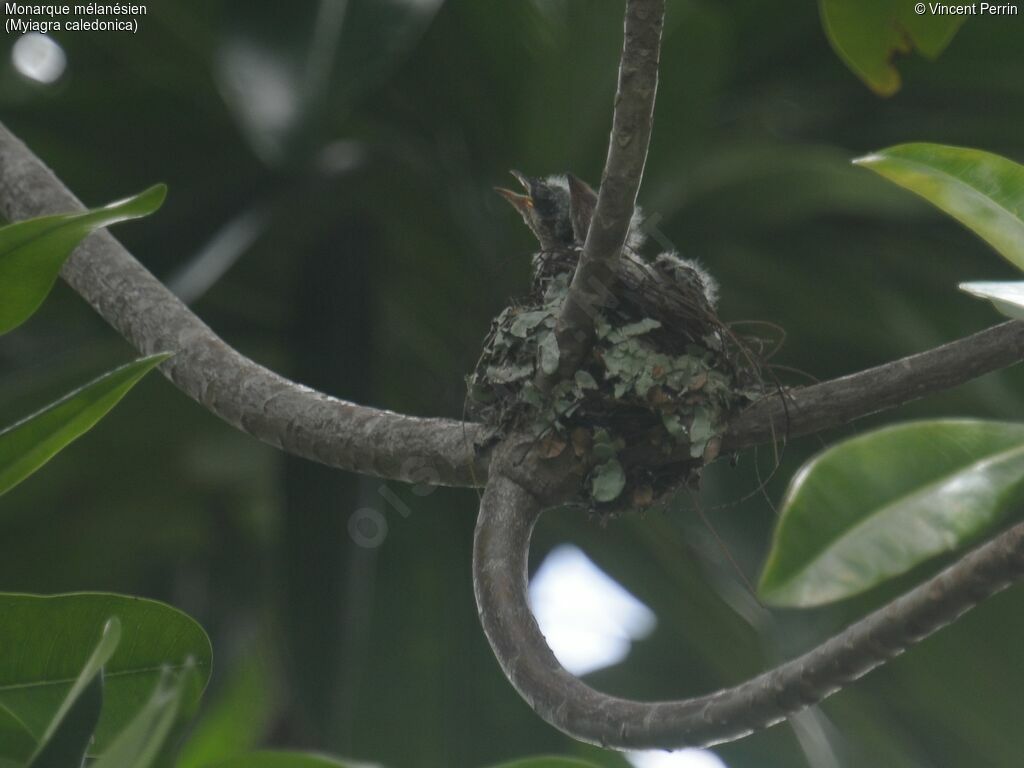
430	451
248	396
833	403
624	167
439	451
511	505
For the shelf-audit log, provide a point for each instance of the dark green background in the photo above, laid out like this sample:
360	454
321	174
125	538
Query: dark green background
382	256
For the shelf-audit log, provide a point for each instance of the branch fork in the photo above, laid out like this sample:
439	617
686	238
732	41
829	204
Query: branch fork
358	438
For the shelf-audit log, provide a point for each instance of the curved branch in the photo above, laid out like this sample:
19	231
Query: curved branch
840	401
620	182
507	516
431	451
246	395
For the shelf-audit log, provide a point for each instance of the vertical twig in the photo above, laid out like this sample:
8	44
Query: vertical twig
620	182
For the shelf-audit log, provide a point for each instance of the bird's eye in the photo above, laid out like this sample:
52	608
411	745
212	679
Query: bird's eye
543	204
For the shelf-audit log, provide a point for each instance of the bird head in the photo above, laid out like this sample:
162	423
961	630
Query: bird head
545	207
558	210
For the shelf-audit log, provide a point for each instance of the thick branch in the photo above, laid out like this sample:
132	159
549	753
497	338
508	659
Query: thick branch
507	515
833	403
433	451
620	182
246	395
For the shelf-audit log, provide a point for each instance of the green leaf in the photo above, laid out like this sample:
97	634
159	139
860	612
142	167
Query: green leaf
510	372
237	719
1008	298
287	760
65	741
46	641
69	745
584	380
608	480
142	741
33	441
869	34
673	424
604	446
527	321
548	346
700	432
985	192
33	251
875	506
16	742
638	328
547	762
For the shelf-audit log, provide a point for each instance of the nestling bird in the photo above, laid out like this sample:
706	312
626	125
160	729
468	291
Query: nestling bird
558	210
545	208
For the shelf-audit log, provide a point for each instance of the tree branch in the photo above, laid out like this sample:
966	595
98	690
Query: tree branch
316	426
839	401
507	515
246	395
439	451
620	182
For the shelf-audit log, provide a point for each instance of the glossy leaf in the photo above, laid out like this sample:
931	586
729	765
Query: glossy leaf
33	441
69	744
287	760
142	740
875	506
982	191
65	741
522	87
33	251
46	641
235	721
16	742
869	34
1008	298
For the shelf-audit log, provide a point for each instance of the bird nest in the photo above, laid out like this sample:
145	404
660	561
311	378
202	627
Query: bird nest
646	408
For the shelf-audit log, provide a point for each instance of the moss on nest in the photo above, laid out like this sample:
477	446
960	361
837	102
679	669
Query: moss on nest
645	408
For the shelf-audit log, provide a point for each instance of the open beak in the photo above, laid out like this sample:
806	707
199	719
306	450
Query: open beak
521	203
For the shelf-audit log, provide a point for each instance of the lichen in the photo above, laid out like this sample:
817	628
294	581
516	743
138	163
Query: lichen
644	391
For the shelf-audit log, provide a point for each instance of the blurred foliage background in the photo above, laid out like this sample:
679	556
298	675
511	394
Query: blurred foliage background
331	215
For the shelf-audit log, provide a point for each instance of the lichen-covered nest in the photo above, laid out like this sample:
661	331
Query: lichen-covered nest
646	407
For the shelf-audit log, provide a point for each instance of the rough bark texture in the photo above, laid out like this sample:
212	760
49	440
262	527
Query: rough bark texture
620	182
438	451
246	395
832	403
313	425
509	509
